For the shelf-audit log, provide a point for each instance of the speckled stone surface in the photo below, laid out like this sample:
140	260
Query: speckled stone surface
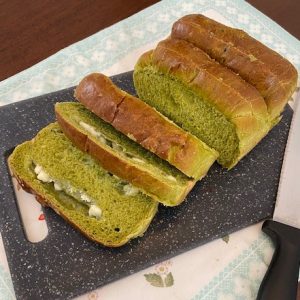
66	264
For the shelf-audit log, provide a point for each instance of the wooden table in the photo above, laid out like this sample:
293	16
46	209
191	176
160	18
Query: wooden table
31	30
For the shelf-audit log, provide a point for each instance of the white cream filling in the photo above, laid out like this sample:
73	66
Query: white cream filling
89	129
104	140
130	190
172	178
94	210
118	147
57	186
138	160
93	132
85	198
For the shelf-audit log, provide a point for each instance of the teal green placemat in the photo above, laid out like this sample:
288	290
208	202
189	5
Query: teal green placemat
105	48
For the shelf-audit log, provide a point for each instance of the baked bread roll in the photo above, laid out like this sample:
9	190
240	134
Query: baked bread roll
143	124
79	190
271	74
203	97
122	157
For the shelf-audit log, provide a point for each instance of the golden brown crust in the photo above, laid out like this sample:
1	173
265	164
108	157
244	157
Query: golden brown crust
225	89
240	102
154	187
98	94
148	128
138	121
273	76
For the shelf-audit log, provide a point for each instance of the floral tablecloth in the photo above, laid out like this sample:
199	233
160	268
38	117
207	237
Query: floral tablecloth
228	268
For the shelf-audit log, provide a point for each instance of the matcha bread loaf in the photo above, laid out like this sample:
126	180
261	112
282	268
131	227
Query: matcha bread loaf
123	157
79	190
145	125
271	74
203	97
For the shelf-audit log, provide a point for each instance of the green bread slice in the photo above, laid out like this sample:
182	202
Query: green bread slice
179	103
78	189
145	125
203	97
124	158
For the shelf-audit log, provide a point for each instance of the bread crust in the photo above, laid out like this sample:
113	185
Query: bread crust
140	122
239	101
228	92
271	74
163	192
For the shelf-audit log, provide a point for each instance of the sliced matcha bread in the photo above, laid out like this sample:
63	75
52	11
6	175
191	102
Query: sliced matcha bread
145	125
203	97
122	157
78	189
272	75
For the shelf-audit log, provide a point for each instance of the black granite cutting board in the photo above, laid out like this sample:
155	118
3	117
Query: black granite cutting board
66	264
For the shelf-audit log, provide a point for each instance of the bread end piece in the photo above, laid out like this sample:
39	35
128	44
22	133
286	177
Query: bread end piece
145	125
22	167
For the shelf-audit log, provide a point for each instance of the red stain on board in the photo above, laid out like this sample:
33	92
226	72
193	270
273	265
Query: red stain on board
42	217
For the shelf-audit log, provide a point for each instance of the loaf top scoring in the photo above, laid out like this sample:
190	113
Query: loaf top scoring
227	91
273	76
